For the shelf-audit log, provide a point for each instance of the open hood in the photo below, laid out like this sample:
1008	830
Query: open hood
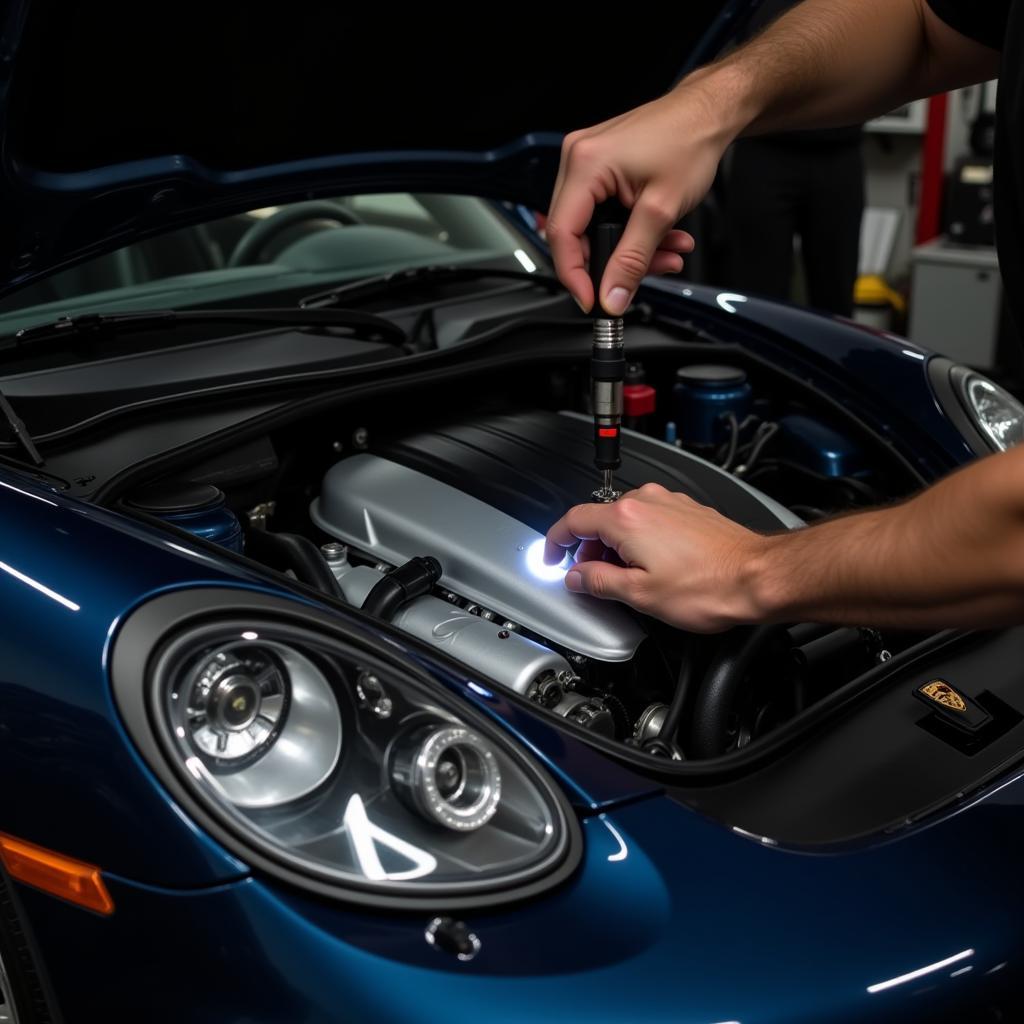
120	121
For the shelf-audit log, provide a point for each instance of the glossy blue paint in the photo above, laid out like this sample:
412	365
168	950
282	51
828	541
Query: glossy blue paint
69	574
215	523
669	918
813	444
666	913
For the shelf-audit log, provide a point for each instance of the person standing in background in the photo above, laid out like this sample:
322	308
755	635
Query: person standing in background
806	183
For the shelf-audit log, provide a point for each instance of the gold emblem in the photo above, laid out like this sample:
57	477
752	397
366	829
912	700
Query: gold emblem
942	693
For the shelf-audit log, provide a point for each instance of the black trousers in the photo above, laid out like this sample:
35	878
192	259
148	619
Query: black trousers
778	189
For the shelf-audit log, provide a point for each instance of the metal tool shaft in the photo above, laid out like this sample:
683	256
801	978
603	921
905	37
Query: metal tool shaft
608	359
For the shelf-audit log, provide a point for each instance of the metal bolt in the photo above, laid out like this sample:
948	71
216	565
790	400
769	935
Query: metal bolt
577	659
361	437
489	616
337	446
335	552
503	634
451	598
510	625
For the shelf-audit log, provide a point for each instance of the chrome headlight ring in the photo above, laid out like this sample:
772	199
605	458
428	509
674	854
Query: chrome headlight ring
265	721
988	416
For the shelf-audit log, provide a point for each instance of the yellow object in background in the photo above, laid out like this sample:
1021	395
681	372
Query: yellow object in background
871	290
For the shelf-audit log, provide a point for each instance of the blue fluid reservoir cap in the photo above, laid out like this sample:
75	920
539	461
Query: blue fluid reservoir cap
196	507
708	375
670	432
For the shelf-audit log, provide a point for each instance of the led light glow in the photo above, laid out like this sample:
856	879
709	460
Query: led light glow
540	569
365	836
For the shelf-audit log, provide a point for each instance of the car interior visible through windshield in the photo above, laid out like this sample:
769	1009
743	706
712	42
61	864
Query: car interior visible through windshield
270	256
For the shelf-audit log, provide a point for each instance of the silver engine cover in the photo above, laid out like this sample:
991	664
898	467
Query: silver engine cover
510	659
393	513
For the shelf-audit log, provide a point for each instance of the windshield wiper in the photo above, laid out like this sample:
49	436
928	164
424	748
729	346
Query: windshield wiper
366	325
367	287
19	430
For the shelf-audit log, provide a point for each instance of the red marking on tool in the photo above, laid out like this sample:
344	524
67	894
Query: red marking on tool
607	431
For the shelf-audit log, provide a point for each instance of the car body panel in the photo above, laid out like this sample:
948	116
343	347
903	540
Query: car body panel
69	576
669	918
671	915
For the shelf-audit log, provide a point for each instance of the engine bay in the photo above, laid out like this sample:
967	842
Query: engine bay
406	480
497	607
421	500
418	494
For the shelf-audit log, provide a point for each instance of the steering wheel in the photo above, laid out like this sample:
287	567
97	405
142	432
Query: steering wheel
259	235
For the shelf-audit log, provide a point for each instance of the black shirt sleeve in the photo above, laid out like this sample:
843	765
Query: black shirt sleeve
984	21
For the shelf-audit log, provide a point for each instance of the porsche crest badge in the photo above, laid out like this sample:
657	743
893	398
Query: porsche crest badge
942	693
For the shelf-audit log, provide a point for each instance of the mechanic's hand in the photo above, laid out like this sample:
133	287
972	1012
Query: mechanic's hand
670	557
659	160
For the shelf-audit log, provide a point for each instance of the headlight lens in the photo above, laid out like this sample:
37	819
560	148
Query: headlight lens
347	768
997	414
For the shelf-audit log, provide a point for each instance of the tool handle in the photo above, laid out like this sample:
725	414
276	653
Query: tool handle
607	447
605	232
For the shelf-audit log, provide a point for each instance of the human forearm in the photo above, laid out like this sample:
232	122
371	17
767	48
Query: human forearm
827	62
835	62
952	556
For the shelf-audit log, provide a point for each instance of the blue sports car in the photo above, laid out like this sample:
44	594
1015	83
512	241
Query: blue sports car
295	722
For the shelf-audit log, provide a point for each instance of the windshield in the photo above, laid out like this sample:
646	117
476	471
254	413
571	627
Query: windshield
276	255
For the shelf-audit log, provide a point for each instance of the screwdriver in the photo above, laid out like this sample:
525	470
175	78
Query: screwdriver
608	359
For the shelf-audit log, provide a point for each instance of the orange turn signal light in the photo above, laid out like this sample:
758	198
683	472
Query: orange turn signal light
70	879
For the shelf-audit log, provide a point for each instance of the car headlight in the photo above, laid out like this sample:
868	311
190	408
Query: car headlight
340	766
993	410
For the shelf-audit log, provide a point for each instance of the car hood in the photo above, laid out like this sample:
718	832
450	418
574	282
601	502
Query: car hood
120	121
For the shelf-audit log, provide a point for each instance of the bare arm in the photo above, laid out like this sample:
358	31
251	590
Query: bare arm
951	556
826	62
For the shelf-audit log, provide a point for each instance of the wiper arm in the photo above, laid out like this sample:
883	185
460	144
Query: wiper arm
96	324
367	287
19	430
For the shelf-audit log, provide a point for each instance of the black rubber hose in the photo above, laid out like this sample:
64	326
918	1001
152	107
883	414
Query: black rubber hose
292	551
719	690
674	715
413	579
